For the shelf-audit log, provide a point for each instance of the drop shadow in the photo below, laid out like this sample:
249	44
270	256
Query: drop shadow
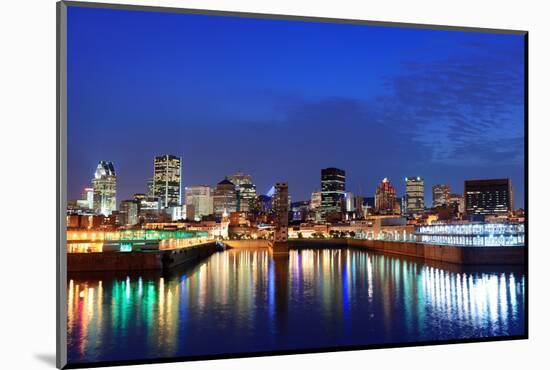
46	358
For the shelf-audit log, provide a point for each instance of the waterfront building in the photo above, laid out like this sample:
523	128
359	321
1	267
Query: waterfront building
440	195
201	198
167	180
280	205
224	198
414	195
333	187
384	200
104	188
300	210
129	212
485	197
473	234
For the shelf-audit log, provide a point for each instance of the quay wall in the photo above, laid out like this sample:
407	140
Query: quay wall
137	261
258	243
445	253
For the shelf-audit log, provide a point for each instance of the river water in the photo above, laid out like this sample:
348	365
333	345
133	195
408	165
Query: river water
244	300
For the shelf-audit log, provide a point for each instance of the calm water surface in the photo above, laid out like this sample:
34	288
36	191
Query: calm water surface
246	301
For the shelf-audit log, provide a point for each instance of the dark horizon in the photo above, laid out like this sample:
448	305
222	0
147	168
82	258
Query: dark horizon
280	100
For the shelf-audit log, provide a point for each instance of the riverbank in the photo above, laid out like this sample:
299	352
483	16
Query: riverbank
137	261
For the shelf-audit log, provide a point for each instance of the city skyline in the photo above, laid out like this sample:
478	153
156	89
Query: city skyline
379	120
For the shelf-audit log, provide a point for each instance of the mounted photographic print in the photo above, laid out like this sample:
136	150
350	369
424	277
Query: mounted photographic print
235	185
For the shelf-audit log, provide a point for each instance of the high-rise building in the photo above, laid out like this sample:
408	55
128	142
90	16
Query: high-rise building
167	180
280	206
151	187
333	188
486	197
200	197
225	198
414	194
349	199
129	212
384	199
104	188
315	203
246	190
239	178
440	195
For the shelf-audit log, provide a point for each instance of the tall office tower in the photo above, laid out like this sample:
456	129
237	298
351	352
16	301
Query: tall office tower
349	202
104	185
414	194
246	190
280	206
486	197
333	187
359	199
225	198
200	197
315	200
246	194
151	187
384	199
440	195
129	212
240	178
167	180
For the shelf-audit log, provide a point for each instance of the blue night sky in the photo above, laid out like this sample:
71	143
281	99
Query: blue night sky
282	99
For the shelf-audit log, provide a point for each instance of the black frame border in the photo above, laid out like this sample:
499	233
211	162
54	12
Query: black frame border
61	171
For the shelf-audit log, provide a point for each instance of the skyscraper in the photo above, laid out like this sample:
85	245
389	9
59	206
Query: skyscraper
167	180
485	197
280	206
225	198
246	190
104	188
384	199
200	197
333	188
414	194
440	195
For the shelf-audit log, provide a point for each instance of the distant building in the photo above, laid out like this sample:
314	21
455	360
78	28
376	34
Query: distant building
333	187
87	199
167	180
315	202
246	190
440	195
280	205
240	178
104	189
129	212
414	195
201	198
384	200
456	200
349	200
225	198
151	187
485	197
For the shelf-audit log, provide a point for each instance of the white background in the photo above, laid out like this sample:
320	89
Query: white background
27	182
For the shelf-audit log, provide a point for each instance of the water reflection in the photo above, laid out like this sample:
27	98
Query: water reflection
246	300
